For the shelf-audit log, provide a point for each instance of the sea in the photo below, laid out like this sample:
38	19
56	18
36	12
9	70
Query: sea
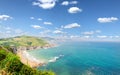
81	58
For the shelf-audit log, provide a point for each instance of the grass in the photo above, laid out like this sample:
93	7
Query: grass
23	41
10	65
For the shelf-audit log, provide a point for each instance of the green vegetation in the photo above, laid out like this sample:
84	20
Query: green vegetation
23	41
10	65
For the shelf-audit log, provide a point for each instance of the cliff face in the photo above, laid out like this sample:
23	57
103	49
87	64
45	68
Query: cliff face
24	48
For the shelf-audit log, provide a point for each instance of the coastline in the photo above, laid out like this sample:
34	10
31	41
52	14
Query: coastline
30	60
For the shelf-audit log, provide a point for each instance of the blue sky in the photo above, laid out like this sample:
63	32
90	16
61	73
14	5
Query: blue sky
76	19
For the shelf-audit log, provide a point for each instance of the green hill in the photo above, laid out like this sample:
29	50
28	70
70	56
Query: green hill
23	41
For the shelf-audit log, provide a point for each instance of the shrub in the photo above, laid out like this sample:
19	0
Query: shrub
2	54
10	65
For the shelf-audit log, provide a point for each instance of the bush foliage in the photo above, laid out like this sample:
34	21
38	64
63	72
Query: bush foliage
10	65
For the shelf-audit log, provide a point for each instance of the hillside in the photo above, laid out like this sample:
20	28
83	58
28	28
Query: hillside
23	41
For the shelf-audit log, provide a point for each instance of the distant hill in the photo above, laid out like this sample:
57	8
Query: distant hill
23	41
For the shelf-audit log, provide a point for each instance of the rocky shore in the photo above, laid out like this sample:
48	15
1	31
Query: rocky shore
30	60
24	48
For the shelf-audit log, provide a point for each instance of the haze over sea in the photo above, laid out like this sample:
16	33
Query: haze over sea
81	58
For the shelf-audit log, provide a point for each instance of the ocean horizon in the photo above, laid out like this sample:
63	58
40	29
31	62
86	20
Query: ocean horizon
81	58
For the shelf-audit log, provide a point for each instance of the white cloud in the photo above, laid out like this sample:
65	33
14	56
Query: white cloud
66	3
111	37
5	17
36	26
98	31
32	18
117	36
102	37
8	28
107	20
45	33
73	25
45	4
8	32
86	37
73	2
74	10
91	32
74	36
114	36
48	23
61	28
88	33
18	31
58	32
39	19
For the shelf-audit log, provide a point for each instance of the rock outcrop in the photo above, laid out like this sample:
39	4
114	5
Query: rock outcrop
23	48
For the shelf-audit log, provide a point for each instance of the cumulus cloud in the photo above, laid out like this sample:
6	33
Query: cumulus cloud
117	36
47	23
102	37
45	4
73	25
98	31
18	31
58	32
114	36
107	20
66	3
86	37
91	32
88	33
32	18
8	32
39	19
8	28
5	17
36	26
45	33
73	2
74	10
74	36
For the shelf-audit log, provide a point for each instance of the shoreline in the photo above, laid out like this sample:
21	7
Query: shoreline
31	61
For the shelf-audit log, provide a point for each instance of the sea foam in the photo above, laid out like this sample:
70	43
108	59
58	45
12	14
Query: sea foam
54	59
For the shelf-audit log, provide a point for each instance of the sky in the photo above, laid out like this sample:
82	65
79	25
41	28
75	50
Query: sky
94	20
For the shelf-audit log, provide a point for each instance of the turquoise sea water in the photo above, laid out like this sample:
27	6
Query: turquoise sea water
82	58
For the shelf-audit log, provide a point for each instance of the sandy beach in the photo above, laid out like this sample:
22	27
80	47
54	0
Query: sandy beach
29	60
